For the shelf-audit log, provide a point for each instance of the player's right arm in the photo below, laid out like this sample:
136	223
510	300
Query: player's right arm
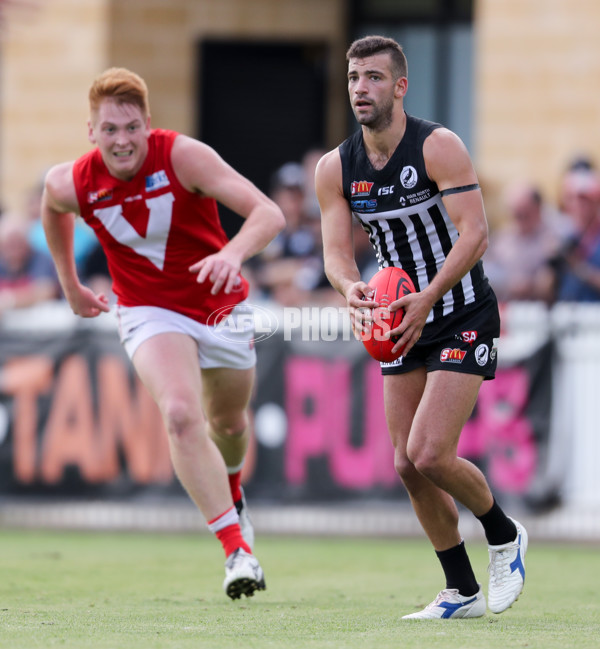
59	205
338	243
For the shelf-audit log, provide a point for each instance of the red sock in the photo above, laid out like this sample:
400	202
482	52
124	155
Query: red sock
227	529
231	539
235	482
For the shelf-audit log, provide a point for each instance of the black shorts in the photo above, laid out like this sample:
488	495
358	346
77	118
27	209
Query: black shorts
460	342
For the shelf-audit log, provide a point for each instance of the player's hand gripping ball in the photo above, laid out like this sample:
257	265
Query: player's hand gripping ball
389	284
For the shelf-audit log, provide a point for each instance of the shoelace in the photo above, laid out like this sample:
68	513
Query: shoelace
499	567
444	595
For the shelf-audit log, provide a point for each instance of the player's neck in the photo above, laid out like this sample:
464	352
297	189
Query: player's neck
381	144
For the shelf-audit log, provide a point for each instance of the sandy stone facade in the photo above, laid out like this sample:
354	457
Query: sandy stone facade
537	77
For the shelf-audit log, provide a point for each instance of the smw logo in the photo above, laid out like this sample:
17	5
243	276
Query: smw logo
360	188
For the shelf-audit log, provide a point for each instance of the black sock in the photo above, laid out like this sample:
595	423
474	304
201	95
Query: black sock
498	528
457	568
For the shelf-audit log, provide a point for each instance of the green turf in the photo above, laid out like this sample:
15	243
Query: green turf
130	591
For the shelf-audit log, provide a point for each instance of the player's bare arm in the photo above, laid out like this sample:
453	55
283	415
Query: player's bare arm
59	205
449	165
338	247
200	169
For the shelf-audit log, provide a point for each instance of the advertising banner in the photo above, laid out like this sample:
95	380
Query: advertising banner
76	422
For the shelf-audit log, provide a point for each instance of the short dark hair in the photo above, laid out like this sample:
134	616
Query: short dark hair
371	45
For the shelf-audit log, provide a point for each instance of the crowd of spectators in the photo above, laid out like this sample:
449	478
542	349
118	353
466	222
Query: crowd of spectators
548	253
538	250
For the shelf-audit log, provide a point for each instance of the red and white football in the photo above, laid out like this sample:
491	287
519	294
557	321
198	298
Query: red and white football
389	284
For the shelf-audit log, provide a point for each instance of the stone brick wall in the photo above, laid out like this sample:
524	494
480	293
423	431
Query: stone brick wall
537	80
537	89
51	53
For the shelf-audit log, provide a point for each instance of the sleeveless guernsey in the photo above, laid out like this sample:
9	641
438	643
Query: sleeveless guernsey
152	229
401	210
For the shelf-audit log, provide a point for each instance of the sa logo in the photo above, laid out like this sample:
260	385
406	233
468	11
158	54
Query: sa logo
469	336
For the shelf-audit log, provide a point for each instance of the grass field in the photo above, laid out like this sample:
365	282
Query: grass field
130	591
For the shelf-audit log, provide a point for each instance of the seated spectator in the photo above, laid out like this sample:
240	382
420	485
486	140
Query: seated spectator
515	261
27	276
290	270
84	239
288	191
577	264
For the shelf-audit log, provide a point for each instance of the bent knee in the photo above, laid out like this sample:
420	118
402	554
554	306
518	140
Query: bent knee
232	424
430	463
181	416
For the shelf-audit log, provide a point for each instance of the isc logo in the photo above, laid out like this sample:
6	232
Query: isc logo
384	191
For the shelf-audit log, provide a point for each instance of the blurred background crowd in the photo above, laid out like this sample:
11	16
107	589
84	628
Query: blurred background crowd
263	82
539	250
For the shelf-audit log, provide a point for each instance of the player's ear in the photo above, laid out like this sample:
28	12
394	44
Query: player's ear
91	136
401	86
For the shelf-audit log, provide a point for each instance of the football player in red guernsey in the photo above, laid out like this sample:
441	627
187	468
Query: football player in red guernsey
151	197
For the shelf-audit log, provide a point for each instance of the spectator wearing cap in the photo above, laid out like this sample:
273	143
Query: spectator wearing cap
290	270
288	191
577	265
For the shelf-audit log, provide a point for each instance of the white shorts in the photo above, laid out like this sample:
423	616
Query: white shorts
227	344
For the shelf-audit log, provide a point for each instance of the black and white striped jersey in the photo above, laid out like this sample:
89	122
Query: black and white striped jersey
401	210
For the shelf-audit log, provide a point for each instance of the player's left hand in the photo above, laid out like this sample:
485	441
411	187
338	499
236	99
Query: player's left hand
222	269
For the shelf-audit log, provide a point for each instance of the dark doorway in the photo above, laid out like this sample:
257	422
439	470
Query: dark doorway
261	104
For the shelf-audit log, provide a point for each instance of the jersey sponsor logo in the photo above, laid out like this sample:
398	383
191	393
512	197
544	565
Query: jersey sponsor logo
408	177
482	354
467	336
452	355
157	180
361	188
130	199
99	195
366	205
396	363
419	197
384	191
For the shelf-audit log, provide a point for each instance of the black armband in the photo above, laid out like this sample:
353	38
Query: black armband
459	190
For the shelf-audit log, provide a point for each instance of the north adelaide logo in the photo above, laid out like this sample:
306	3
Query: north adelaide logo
360	188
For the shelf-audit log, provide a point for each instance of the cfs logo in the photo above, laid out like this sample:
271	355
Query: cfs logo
452	355
360	188
368	205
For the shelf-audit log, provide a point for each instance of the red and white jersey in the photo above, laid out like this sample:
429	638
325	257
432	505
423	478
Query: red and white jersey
152	230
